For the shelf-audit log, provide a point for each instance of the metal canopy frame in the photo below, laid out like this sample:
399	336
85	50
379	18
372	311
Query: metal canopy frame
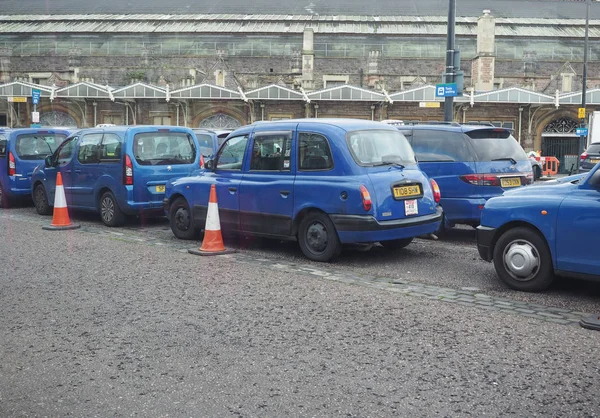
84	90
274	92
204	91
88	90
346	93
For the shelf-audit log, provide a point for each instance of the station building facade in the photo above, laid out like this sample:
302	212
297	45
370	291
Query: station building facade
224	71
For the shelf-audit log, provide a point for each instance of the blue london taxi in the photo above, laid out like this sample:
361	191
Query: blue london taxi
535	233
322	182
21	150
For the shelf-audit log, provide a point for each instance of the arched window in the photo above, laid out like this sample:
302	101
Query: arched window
220	121
55	118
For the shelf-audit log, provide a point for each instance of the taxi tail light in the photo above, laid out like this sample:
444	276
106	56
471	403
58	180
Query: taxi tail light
127	171
12	166
583	156
437	195
481	179
201	161
366	198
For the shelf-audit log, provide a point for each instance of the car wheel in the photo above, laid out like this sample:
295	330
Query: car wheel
110	212
522	260
318	238
181	219
537	172
396	244
40	200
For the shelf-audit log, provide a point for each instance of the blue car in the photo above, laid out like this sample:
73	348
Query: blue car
21	150
116	170
534	233
210	140
322	182
470	163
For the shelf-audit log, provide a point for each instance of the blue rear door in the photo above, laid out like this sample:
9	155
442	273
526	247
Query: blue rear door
266	191
578	228
85	171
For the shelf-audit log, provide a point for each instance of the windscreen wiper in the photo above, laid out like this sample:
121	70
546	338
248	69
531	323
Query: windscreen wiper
511	159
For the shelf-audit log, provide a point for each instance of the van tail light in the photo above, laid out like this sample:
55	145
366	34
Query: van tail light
583	156
127	171
366	198
437	195
12	166
201	161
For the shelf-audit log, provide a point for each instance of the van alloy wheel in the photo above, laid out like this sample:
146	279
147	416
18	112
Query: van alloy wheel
40	200
110	213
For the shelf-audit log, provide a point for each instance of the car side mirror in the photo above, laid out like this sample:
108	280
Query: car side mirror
48	161
594	181
210	164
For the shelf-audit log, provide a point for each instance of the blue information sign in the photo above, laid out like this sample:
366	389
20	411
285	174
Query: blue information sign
446	90
35	96
581	131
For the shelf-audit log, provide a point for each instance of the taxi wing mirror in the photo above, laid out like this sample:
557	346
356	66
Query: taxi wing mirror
48	161
210	164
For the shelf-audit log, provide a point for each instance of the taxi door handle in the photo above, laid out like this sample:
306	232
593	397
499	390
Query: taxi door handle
68	171
78	171
233	189
284	192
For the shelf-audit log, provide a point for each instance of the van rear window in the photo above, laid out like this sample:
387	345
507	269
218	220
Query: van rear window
37	146
495	145
164	148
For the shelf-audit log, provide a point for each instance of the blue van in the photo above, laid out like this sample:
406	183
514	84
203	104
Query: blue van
21	150
210	140
117	170
470	163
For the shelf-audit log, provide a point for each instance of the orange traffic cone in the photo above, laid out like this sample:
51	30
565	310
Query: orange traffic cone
212	244
60	218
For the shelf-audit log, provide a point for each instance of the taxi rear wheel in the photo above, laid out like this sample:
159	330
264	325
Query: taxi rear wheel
522	260
318	238
40	200
110	212
181	220
396	244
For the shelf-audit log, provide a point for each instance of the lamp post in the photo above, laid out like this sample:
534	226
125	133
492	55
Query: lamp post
582	138
450	69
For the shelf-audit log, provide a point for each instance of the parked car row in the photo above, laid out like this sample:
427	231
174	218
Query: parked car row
321	182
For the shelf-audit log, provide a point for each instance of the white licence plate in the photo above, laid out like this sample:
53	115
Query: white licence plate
410	207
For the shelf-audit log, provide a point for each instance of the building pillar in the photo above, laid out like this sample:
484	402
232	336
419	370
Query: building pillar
308	59
483	65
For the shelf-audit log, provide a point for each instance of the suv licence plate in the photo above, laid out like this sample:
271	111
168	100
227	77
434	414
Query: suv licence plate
510	182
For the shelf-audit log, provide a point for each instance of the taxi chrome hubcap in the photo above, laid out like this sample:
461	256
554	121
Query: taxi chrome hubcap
316	237
522	260
108	209
182	219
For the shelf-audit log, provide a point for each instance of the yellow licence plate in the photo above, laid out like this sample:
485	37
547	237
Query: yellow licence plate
406	191
594	161
511	182
160	189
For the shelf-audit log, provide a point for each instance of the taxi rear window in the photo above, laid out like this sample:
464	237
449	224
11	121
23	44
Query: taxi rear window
164	148
37	146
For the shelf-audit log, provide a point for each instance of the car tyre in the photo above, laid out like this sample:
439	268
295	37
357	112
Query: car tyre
318	238
110	212
537	172
396	244
182	220
40	200
523	261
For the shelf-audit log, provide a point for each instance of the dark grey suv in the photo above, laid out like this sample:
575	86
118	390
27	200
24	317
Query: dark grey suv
589	158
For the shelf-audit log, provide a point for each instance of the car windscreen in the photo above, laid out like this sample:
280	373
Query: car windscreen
164	148
593	149
205	142
375	147
37	146
496	145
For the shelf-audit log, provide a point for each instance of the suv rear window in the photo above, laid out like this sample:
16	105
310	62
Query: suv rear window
594	149
37	146
379	147
495	145
164	148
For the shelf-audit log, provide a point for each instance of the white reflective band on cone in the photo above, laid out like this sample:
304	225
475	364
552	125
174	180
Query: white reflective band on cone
59	198
212	218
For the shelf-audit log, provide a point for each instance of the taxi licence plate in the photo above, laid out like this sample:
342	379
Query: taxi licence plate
595	161
160	189
406	191
510	182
